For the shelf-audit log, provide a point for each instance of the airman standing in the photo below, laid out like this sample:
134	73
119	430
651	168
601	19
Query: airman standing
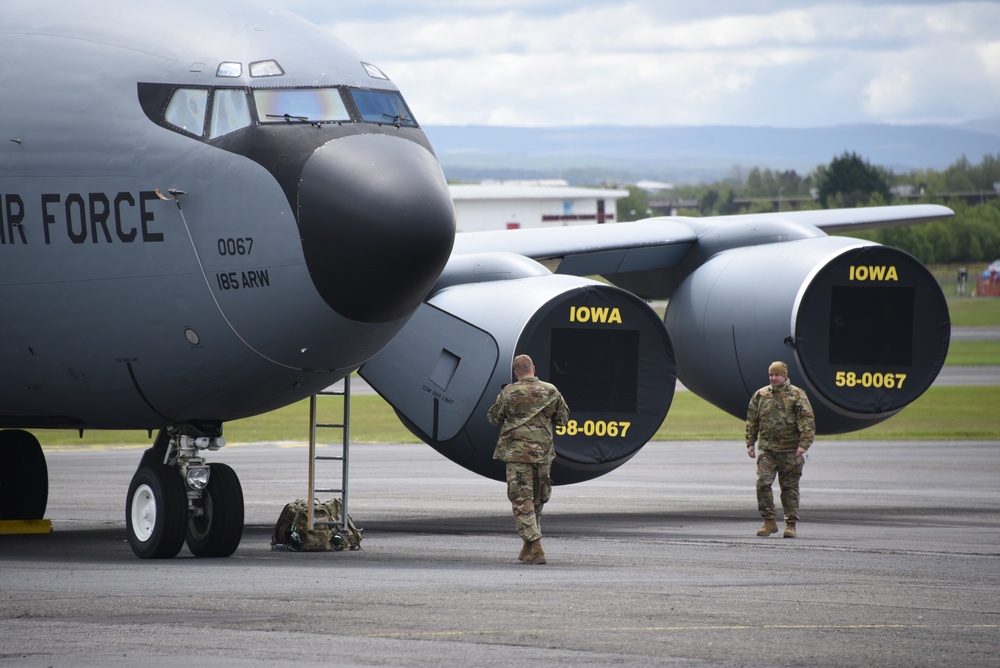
781	418
526	411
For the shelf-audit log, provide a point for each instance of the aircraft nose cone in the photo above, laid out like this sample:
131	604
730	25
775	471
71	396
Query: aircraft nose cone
377	225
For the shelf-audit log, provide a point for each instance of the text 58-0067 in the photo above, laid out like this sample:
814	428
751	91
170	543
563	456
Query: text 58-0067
594	428
869	379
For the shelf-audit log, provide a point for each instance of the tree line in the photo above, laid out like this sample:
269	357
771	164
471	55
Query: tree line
972	235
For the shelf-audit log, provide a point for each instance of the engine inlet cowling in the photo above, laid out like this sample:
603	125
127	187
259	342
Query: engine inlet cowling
864	328
606	350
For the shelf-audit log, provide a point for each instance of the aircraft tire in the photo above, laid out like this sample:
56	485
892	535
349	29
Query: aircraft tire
218	532
156	512
24	477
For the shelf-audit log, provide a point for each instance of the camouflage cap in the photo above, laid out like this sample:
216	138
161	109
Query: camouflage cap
778	368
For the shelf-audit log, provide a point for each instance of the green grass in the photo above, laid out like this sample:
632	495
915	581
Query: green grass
372	421
973	353
969	312
974	312
942	413
966	311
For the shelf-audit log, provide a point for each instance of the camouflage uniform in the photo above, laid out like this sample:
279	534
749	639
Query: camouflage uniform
527	410
781	417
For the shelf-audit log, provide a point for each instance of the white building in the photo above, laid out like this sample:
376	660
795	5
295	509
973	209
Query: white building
511	206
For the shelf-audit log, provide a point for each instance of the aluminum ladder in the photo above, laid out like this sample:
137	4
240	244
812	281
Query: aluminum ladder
344	457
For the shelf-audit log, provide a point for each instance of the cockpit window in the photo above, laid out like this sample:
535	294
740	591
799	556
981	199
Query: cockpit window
266	68
310	105
210	112
383	106
230	112
229	69
186	110
374	72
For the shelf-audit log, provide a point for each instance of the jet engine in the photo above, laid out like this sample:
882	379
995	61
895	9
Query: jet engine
605	349
864	328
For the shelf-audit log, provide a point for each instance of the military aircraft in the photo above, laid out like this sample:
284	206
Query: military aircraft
212	210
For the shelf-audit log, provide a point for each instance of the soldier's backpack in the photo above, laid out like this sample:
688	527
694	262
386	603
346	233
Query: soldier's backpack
292	531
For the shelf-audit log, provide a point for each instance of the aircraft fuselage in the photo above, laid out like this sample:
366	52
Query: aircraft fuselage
196	225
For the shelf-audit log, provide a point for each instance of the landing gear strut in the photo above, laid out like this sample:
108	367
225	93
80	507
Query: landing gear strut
175	496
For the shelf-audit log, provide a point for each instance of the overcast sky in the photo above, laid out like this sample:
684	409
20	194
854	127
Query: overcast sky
678	62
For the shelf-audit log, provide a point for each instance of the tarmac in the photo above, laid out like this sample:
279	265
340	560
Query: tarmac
897	563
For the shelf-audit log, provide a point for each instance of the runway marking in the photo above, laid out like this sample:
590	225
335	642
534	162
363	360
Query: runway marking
730	627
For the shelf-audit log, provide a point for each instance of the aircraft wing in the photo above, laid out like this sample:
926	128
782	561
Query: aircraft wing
593	249
864	328
663	242
833	221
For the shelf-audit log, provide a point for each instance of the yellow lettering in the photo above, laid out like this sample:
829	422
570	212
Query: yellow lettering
873	273
866	379
599	428
601	314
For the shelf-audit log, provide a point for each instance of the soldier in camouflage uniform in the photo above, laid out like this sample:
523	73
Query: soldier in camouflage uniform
781	418
525	412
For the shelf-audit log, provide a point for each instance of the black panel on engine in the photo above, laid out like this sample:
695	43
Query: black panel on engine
612	385
871	325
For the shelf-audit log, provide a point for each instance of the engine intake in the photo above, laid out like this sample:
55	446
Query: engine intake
605	349
864	328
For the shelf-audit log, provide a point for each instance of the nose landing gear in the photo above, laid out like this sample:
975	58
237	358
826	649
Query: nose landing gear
175	497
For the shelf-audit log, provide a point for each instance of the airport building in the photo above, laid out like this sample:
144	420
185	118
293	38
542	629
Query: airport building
516	205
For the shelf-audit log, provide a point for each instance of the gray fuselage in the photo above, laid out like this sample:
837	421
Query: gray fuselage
170	252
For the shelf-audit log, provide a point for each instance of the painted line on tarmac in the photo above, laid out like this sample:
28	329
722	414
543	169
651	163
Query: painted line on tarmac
730	627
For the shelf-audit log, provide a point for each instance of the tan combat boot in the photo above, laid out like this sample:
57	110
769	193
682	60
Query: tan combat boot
535	554
789	530
769	527
525	551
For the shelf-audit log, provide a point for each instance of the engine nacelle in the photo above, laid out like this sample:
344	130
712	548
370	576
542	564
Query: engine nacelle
864	328
605	349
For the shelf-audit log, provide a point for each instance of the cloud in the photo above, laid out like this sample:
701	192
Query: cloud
643	62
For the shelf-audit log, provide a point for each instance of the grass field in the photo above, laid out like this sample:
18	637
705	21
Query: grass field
968	311
973	353
942	413
974	312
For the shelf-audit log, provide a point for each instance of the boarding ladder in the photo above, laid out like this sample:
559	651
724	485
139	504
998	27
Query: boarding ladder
343	458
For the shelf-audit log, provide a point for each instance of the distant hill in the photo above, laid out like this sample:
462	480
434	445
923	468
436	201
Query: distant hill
988	125
705	153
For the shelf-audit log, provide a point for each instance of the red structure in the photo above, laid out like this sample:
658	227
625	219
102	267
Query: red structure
988	286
